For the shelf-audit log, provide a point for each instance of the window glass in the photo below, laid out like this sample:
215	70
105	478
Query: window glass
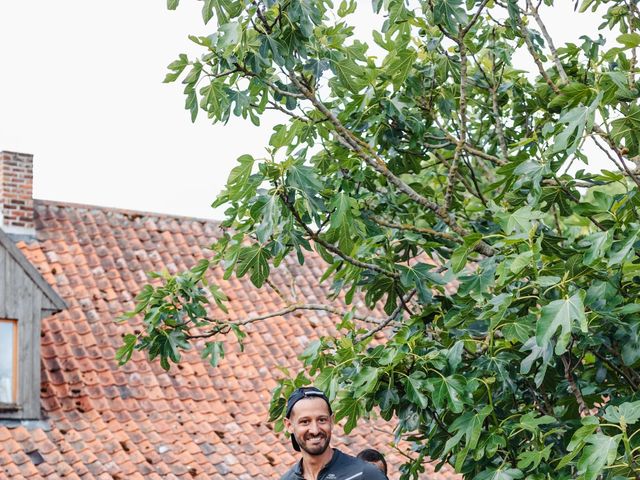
7	361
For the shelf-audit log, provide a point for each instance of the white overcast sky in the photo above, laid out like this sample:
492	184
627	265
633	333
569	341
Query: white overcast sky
81	89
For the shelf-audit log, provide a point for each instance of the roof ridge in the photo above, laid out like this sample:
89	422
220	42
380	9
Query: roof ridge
123	211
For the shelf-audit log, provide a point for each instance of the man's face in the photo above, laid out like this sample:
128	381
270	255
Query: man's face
310	422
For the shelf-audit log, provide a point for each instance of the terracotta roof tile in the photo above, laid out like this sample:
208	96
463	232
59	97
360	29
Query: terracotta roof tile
139	422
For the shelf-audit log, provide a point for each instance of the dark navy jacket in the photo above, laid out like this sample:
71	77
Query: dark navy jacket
341	467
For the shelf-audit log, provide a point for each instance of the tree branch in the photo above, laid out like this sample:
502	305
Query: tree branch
412	228
577	200
262	18
453	168
275	288
573	386
275	106
498	123
473	20
271	85
536	57
474	180
607	138
630	371
389	319
554	53
332	248
617	369
476	152
225	325
495	108
607	153
222	74
475	191
633	11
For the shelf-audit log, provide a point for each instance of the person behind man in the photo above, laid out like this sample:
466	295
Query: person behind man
375	457
309	420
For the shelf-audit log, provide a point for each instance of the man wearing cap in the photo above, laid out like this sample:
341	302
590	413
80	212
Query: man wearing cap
309	420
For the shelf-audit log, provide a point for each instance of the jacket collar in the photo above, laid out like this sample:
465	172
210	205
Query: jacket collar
334	458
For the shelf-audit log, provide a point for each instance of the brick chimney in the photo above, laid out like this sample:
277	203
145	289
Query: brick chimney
16	195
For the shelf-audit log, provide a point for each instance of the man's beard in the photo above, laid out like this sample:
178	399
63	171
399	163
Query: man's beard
318	448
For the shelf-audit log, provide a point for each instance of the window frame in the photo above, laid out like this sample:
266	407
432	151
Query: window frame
13	404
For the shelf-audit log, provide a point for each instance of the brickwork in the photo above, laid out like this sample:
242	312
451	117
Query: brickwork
16	192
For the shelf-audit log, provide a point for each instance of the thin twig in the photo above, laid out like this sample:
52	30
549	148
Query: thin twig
271	85
224	325
479	153
617	369
389	319
633	10
315	236
432	147
277	290
471	189
222	74
556	218
495	108
275	106
577	200
475	182
262	18
498	123
578	183
475	151
473	20
442	426
403	302
453	168
536	57
413	228
554	53
607	153
630	371
292	286
607	138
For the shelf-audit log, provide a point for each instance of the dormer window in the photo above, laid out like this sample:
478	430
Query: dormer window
25	300
8	361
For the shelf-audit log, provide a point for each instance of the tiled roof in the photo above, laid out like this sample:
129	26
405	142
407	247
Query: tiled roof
138	421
